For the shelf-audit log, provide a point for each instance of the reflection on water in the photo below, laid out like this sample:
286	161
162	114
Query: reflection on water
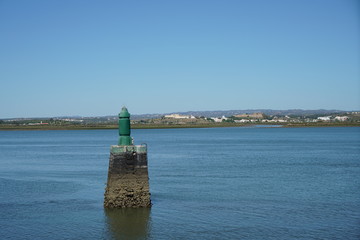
128	223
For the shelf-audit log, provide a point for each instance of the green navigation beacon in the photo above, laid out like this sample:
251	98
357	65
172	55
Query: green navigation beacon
124	128
128	178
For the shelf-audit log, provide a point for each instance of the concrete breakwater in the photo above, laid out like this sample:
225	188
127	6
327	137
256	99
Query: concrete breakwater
128	180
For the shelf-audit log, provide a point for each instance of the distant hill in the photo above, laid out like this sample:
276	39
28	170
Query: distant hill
251	115
217	113
228	113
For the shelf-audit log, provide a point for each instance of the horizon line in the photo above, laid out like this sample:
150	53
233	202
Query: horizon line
139	114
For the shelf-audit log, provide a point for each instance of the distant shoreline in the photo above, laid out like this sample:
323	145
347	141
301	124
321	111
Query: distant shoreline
173	126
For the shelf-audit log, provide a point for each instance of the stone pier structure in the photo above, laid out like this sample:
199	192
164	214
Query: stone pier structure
128	180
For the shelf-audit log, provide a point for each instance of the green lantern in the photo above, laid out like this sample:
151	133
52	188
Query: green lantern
124	128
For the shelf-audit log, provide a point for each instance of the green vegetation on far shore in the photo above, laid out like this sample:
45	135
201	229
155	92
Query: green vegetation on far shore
345	119
163	126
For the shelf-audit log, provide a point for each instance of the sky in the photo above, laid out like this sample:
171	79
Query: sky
90	58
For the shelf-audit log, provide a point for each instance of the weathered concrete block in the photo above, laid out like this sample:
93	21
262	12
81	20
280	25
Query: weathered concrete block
128	180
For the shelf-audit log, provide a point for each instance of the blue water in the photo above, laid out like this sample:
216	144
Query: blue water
218	183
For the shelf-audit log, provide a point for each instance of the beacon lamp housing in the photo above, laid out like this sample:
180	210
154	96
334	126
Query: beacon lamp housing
124	128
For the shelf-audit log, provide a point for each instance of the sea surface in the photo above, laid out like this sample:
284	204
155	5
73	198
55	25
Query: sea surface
216	183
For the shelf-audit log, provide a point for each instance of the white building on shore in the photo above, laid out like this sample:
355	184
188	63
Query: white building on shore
341	118
219	119
178	116
327	118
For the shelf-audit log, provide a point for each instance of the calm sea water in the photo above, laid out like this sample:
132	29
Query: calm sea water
218	183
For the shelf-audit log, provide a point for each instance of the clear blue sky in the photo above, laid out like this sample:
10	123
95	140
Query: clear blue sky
90	58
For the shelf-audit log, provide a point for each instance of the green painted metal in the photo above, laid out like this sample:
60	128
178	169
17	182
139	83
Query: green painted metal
124	128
